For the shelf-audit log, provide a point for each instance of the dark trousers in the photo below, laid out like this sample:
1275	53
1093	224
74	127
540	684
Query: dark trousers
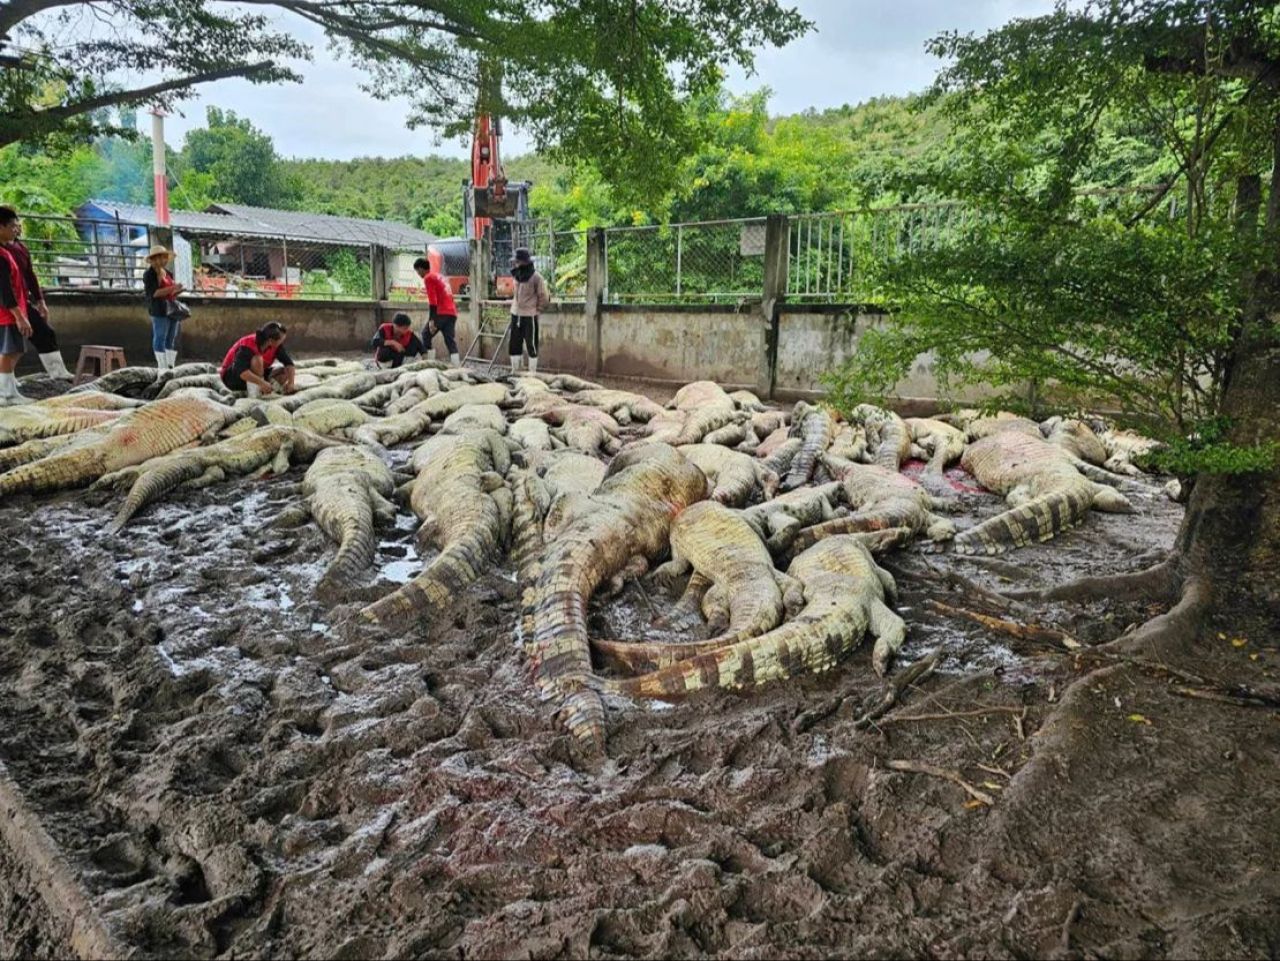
42	338
395	358
445	325
524	336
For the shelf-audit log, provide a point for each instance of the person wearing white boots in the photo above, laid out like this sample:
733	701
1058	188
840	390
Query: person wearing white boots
43	338
443	317
530	297
161	289
13	316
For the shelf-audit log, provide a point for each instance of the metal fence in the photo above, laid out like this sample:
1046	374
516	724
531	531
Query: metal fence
71	253
718	261
559	255
831	255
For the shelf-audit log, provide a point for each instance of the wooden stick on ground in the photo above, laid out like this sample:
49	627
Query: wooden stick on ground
912	675
1025	632
950	715
919	767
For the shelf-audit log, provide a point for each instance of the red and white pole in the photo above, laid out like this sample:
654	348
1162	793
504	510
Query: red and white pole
159	176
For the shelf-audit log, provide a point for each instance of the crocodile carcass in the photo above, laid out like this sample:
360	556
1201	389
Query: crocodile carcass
270	449
880	499
348	491
815	429
465	508
732	477
844	593
779	520
151	431
35	421
741	593
888	437
594	538
1041	482
623	405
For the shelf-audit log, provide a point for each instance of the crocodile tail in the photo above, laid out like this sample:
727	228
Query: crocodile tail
355	549
55	472
1040	519
458	566
810	644
582	712
151	485
639	657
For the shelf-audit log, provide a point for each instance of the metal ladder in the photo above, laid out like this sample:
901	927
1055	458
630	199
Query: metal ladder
485	332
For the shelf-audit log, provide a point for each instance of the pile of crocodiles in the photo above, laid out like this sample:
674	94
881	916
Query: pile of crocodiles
765	522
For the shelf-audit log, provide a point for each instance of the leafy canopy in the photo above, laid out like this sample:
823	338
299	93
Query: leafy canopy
601	81
1134	298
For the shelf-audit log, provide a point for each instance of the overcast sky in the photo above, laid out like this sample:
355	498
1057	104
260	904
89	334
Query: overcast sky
859	49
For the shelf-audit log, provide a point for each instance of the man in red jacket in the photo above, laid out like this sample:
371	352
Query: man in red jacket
14	324
444	313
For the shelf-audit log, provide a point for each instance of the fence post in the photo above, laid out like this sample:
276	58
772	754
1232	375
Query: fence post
479	257
597	284
777	250
378	257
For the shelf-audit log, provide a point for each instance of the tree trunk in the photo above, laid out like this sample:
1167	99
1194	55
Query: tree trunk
1231	533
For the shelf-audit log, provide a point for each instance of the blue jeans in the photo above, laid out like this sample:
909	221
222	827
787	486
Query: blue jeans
164	333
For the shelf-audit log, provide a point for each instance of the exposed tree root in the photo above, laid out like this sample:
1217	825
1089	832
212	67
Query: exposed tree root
950	715
1160	581
1113	653
893	690
1176	627
919	767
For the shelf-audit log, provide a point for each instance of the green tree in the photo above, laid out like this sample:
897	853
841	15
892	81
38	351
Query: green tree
1172	316
239	160
606	80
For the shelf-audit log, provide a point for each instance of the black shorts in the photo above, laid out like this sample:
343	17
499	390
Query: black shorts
524	336
11	341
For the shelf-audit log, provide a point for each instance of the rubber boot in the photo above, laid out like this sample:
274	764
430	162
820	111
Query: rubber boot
53	365
533	365
162	359
515	363
252	391
453	359
9	393
172	357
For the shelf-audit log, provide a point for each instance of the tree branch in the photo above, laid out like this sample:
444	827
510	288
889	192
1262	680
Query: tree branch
63	111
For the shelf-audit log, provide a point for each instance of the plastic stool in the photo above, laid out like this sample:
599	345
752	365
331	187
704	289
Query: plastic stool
105	359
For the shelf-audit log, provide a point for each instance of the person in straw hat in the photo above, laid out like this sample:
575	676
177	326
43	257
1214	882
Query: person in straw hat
161	289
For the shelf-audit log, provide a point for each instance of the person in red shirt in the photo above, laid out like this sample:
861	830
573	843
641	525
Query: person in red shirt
444	313
395	341
250	364
14	324
43	338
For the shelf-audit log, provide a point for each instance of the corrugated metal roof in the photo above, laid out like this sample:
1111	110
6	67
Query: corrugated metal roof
231	219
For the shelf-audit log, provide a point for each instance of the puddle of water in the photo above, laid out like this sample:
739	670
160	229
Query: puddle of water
402	571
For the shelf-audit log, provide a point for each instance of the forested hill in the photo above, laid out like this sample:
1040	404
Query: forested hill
751	164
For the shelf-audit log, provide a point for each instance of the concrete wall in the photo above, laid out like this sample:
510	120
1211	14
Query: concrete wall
671	344
812	339
315	327
678	344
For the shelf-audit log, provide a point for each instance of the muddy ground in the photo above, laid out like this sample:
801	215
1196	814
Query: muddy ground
229	770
